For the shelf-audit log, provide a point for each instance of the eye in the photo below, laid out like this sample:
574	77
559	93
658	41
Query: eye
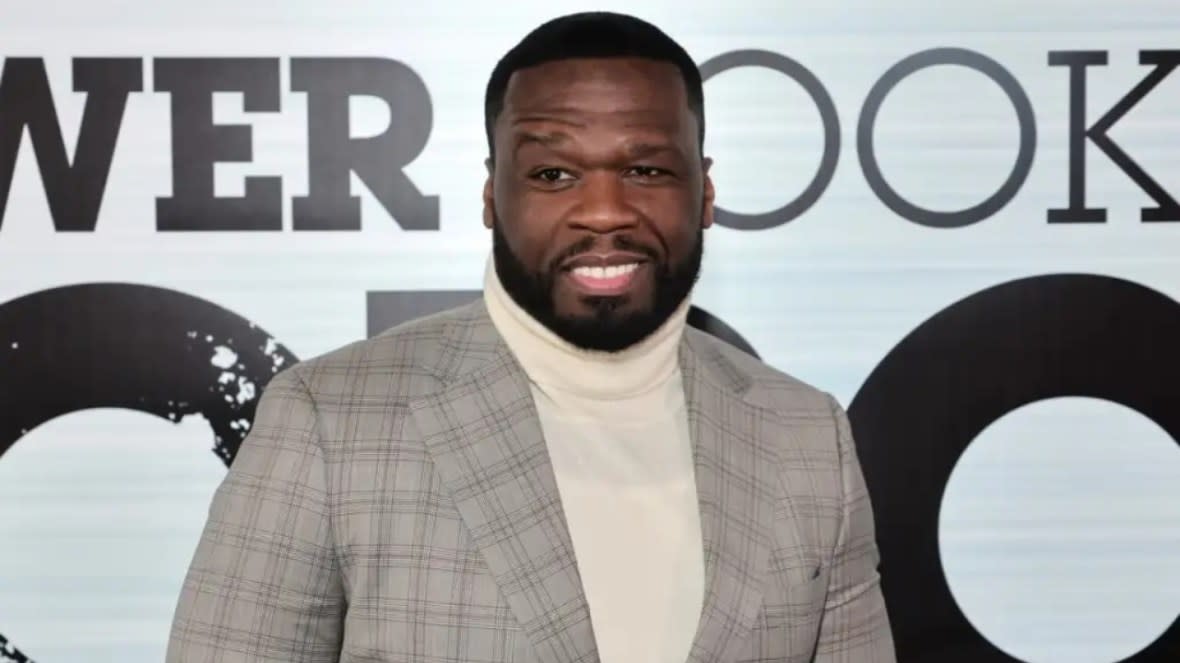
647	172
551	175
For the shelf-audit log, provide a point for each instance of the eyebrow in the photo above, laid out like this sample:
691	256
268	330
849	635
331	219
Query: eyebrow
550	139
641	150
637	150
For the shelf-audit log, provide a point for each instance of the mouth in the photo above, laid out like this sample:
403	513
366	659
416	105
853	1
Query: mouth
605	275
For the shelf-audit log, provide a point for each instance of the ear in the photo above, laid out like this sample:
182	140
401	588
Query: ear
489	203
708	195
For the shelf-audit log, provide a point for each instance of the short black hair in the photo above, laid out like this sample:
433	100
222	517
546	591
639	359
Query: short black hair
593	35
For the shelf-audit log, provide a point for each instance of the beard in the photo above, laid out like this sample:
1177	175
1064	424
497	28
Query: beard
606	328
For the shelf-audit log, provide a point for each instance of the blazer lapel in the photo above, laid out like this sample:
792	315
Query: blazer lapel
484	434
735	475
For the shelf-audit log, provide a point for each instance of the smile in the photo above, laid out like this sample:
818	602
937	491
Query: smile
604	280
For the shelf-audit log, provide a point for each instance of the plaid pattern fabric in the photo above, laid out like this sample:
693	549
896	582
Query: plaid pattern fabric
395	502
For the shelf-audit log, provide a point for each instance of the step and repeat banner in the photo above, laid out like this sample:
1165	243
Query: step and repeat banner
960	218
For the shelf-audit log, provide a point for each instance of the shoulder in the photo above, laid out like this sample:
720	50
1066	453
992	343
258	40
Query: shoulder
764	385
408	359
799	424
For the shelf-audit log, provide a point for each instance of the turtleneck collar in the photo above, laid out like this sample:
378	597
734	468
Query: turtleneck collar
555	365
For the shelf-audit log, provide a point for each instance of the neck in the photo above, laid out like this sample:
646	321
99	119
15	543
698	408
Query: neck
555	365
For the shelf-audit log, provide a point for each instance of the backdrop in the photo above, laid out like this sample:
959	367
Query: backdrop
960	218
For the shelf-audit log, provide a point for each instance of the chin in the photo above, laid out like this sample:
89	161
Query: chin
616	308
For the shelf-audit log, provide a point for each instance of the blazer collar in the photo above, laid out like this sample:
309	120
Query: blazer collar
483	433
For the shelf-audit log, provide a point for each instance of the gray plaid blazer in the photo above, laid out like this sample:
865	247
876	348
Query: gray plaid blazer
395	502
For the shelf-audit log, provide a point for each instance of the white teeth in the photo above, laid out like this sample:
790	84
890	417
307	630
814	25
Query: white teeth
611	272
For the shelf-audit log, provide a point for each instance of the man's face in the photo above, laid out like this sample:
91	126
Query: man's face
598	197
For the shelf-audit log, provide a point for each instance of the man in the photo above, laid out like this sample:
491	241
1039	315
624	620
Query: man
561	472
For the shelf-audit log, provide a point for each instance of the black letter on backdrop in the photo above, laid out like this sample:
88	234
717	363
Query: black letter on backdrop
74	190
197	143
143	348
1024	154
963	369
9	652
1077	61
378	160
827	114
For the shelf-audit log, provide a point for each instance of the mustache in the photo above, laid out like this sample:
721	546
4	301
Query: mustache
589	242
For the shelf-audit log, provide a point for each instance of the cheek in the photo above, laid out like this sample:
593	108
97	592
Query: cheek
677	221
526	231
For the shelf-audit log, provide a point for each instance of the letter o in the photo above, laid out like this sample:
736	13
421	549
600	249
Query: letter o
827	114
1024	156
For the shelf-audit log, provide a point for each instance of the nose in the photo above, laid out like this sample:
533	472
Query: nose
603	205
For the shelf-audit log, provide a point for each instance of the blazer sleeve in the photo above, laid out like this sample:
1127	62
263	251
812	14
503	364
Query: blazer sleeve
855	625
264	584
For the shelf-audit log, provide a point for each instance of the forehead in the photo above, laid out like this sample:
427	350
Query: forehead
645	91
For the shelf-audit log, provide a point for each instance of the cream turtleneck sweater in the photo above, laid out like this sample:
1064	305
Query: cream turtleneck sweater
617	432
